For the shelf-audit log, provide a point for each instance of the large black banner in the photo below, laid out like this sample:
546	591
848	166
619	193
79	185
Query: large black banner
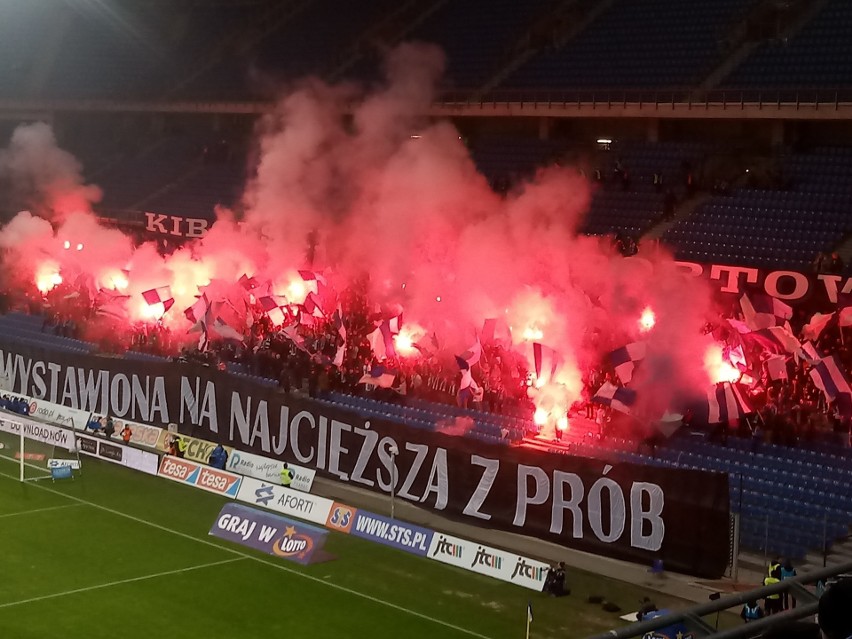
815	291
626	511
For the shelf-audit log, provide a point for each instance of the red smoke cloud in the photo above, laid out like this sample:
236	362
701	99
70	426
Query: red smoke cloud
382	190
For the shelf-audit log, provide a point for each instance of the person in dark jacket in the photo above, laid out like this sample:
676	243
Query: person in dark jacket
218	458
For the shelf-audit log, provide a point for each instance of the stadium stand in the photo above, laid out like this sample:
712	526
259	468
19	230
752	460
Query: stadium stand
201	190
483	426
635	209
498	27
635	44
774	228
788	499
792	501
31	329
505	158
819	56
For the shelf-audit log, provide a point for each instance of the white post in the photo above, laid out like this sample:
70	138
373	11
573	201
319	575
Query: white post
22	452
393	483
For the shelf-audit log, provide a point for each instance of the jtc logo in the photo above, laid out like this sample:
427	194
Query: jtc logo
446	547
527	571
341	517
487	559
293	544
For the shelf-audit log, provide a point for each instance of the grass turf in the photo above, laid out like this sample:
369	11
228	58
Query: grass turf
116	553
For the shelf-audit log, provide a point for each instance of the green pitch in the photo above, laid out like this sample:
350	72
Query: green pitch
116	553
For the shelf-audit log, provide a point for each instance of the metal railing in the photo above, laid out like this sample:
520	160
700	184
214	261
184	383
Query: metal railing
469	99
806	606
764	98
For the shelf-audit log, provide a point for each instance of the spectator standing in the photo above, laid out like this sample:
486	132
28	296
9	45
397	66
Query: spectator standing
126	433
751	611
772	603
109	427
218	458
787	572
287	475
95	424
181	444
554	583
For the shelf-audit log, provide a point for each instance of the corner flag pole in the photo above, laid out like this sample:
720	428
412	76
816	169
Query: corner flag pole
529	617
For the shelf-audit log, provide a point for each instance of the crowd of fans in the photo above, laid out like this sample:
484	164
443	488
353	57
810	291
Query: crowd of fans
788	411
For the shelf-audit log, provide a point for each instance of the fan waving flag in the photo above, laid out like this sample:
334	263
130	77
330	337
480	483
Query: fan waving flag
813	329
776	339
337	321
393	324
268	302
828	375
496	330
472	355
278	315
624	360
312	276
763	311
198	310
161	295
808	353
381	343
776	366
248	283
726	403
313	305
225	330
379	376
616	397
547	362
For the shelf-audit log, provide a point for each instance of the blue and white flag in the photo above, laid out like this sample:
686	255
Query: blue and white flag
813	329
616	397
379	376
624	360
547	361
776	367
775	339
808	353
763	311
473	354
828	376
726	403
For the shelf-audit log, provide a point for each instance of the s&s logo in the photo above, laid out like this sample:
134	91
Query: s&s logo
341	517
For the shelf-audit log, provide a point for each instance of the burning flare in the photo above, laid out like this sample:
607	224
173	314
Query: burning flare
717	368
47	277
647	321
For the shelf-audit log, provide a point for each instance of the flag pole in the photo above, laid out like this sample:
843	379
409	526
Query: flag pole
528	625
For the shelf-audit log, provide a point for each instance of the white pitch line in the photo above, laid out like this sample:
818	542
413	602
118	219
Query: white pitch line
39	510
282	567
117	583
